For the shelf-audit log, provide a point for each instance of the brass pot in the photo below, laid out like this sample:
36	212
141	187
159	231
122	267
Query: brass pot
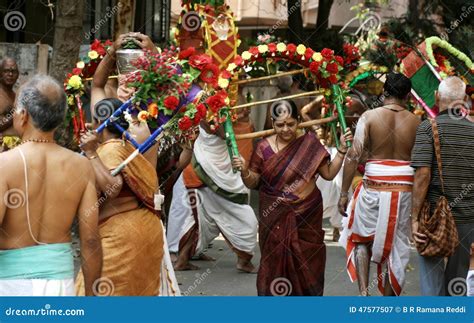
125	57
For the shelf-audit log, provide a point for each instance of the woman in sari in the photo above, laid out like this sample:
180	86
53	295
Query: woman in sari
283	167
130	229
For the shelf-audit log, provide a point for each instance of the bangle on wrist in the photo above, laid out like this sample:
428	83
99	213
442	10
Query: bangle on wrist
344	194
341	152
245	177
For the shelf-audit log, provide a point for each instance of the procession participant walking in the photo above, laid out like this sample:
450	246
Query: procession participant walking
283	167
377	227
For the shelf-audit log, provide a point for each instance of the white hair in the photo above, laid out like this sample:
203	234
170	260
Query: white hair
452	89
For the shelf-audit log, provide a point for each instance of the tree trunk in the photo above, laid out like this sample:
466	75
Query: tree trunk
68	37
295	22
322	20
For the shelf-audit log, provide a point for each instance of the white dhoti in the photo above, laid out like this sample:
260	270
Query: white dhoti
40	270
179	211
222	205
168	282
379	212
330	191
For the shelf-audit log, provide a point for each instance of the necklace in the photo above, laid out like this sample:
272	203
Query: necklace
43	141
394	110
276	143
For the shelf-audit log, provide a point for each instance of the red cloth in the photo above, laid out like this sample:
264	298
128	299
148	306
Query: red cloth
293	253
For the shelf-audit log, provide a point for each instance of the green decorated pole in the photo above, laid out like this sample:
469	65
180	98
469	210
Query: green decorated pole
339	102
229	135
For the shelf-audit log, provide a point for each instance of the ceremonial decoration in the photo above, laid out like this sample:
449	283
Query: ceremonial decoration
427	66
74	84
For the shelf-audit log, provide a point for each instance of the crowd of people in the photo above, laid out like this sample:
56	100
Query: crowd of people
44	188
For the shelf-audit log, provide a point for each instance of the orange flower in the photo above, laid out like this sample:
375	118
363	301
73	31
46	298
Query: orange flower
153	109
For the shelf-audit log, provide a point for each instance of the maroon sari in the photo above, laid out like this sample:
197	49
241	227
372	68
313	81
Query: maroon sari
293	253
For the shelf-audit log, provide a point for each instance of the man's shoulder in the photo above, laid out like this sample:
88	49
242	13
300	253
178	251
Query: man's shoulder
74	159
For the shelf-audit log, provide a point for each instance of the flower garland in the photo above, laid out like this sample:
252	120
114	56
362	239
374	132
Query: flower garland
430	41
324	67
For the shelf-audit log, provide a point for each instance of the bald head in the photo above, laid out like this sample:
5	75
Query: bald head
450	90
45	101
8	72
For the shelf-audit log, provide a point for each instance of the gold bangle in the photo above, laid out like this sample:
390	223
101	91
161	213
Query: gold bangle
245	177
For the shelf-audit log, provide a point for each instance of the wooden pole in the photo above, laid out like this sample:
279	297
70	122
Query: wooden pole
276	99
263	78
270	132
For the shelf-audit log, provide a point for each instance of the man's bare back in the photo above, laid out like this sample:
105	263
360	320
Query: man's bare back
390	132
59	181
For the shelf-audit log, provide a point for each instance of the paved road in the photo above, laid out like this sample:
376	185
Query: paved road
221	278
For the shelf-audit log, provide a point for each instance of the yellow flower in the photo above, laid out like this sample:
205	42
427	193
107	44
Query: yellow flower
70	100
301	49
93	54
143	116
327	92
238	42
317	57
231	67
226	100
223	83
262	49
384	69
80	64
246	55
281	47
75	82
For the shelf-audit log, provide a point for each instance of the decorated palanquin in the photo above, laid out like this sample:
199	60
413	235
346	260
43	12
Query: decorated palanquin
209	27
434	60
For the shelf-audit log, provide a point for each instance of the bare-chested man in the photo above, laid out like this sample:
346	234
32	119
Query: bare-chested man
377	226
8	77
42	188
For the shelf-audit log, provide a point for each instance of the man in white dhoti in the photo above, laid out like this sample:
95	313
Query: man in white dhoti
220	206
35	231
377	225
